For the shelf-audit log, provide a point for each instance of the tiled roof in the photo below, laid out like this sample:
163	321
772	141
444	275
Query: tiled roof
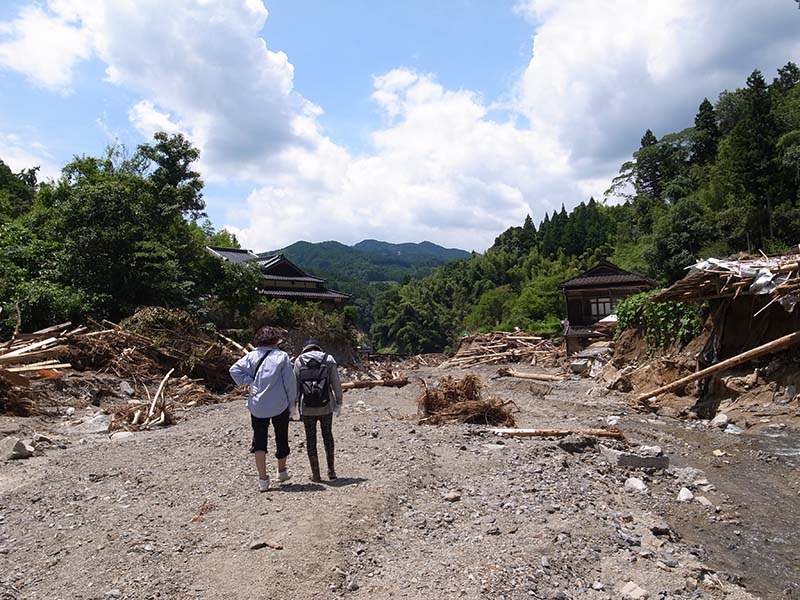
234	255
310	278
326	295
604	280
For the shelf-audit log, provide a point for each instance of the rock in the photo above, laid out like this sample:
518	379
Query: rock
631	591
12	448
258	545
669	412
352	586
687	475
791	390
452	496
720	421
121	436
633	484
719	453
126	388
685	495
115	593
733	430
649	459
704	501
579	366
40	438
597	586
99	423
576	444
70	411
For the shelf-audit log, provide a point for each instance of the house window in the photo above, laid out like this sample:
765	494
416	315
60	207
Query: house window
600	307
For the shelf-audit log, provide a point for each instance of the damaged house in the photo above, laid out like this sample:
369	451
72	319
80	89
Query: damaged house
591	297
284	279
752	304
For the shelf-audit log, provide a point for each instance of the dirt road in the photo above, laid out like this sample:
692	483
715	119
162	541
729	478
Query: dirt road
418	511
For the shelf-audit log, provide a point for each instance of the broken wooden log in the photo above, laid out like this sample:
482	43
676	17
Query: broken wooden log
371	383
600	433
506	372
774	346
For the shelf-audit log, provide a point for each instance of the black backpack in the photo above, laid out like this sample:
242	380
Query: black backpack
314	384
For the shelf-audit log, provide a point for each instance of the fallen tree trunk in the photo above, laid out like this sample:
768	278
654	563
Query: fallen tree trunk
601	433
371	383
504	372
773	346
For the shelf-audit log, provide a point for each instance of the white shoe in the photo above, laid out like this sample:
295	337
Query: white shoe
284	476
263	484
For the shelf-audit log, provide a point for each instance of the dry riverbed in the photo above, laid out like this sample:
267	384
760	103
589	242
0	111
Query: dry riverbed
418	512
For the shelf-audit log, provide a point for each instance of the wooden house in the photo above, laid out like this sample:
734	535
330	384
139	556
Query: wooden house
591	298
283	278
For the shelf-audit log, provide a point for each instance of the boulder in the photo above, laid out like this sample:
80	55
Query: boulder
646	457
685	495
633	484
631	591
99	423
720	421
12	448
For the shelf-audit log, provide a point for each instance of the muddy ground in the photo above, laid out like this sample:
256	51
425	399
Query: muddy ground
418	512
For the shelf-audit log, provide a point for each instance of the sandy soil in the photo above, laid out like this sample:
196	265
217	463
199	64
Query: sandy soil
418	512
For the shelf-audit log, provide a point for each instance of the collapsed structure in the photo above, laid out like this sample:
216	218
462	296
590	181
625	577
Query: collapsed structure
752	303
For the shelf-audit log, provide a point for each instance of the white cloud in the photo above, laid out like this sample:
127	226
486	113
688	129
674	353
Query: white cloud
20	153
43	46
440	167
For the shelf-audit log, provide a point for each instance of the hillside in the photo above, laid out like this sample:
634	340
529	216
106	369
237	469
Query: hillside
371	260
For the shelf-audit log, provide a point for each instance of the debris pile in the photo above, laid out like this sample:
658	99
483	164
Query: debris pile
461	401
504	347
135	354
778	276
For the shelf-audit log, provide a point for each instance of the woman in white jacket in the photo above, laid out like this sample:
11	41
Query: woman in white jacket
271	398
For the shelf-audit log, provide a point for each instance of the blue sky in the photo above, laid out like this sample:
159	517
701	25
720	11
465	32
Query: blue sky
397	121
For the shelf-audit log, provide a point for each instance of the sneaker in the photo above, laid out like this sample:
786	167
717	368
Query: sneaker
284	476
263	484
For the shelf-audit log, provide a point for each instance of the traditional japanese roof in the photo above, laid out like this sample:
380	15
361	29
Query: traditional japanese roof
321	294
606	274
777	276
234	255
278	267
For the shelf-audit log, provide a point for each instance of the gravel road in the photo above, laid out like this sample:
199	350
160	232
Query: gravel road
418	512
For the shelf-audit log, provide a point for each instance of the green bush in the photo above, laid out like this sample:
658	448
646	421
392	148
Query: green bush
663	323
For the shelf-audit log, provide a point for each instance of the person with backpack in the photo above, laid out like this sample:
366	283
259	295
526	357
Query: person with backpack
319	397
271	398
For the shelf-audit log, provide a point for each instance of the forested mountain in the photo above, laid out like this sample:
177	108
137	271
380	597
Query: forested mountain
371	260
727	184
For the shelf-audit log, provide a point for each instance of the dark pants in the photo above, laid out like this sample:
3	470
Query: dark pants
280	423
326	425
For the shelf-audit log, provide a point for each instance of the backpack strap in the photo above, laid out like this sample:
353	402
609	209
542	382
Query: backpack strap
261	362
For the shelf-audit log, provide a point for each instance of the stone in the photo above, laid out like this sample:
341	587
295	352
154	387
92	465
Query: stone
720	421
452	496
126	388
704	501
685	495
687	475
631	591
669	412
99	423
733	430
12	448
121	436
633	484
115	593
597	586
791	390
651	458
576	444
579	366
352	586
70	411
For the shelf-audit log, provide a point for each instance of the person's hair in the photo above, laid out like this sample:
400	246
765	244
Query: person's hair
266	336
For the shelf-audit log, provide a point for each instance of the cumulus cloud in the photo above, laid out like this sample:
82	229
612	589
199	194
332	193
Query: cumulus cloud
21	153
43	46
442	166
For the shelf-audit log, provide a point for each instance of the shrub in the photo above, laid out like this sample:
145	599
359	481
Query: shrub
663	323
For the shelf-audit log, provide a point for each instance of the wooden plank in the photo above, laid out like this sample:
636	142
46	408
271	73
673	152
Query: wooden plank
533	376
601	433
773	346
35	346
31	357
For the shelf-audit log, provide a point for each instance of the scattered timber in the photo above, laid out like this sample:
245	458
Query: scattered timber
506	372
773	346
600	433
397	382
503	347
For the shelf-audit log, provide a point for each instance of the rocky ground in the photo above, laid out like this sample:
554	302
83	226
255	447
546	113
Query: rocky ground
418	512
